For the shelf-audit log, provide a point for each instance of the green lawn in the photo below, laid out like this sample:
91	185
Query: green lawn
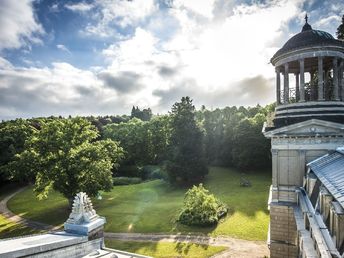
165	250
11	229
8	228
153	206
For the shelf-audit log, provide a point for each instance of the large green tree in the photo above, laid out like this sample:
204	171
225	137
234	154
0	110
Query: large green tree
65	156
133	137
187	161
13	135
340	30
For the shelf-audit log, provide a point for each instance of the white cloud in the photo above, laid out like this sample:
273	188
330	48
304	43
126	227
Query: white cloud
63	48
60	90
122	13
207	59
18	24
204	7
79	7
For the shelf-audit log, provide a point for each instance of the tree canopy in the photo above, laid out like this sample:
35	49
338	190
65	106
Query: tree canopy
63	155
186	155
340	30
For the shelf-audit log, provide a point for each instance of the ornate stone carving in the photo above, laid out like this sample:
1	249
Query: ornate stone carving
82	211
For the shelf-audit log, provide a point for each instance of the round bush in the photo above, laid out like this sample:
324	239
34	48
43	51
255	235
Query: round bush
201	208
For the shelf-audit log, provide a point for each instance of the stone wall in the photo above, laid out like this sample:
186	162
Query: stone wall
283	232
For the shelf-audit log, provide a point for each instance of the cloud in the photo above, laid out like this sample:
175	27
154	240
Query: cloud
244	92
18	24
60	90
124	82
166	71
63	48
79	7
111	14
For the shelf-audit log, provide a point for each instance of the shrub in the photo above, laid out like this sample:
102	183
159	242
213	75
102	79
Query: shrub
126	180
201	208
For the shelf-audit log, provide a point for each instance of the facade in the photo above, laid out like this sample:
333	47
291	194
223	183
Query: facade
308	123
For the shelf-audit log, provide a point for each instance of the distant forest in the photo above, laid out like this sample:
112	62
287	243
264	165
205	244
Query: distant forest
230	136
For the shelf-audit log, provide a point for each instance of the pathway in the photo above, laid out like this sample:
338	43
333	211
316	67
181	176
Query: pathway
236	247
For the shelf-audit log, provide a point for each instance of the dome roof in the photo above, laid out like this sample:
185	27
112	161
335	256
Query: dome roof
308	38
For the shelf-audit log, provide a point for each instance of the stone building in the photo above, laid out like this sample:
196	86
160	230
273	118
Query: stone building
308	124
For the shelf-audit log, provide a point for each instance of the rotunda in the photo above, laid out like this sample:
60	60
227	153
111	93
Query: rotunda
316	60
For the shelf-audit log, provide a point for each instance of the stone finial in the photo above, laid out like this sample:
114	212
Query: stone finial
82	211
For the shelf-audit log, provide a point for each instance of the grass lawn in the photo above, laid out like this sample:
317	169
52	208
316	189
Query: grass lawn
11	229
165	250
7	227
153	206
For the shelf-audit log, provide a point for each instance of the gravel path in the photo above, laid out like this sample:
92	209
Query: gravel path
236	247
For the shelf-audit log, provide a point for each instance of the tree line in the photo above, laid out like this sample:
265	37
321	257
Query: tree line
83	153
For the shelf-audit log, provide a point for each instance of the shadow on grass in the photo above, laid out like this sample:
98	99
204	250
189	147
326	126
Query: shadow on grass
9	229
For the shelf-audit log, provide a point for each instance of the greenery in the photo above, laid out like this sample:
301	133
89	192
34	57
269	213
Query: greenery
187	161
11	229
63	155
126	180
13	135
7	227
201	208
340	30
166	250
143	142
144	115
153	206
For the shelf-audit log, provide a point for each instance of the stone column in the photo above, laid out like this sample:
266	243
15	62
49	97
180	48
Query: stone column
320	79
302	80
274	157
286	83
335	79
326	84
278	86
341	74
297	86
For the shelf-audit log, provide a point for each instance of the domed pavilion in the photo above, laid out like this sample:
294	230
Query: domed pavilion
316	60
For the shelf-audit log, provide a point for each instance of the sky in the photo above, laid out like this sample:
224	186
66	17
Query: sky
101	57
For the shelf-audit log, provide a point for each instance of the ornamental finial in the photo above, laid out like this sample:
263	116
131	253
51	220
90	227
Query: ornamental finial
306	18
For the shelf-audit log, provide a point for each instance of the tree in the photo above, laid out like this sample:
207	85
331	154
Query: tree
251	149
144	115
13	135
201	208
133	138
187	162
340	30
64	156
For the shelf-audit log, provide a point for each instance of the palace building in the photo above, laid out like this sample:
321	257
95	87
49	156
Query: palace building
306	199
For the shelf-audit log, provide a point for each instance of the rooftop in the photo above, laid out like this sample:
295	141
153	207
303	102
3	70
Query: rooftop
330	171
308	37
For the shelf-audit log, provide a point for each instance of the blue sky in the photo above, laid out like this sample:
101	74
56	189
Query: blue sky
104	56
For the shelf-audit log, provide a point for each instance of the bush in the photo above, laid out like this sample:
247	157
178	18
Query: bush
126	180
201	208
